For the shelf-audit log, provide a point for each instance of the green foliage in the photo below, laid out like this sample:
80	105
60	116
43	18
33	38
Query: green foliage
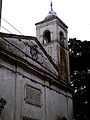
59	118
79	54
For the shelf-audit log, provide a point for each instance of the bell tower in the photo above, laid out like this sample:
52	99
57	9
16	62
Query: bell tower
52	34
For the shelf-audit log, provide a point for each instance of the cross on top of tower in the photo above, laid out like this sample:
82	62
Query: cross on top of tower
51	6
51	14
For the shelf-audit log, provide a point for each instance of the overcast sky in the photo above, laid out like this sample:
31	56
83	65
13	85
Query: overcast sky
23	14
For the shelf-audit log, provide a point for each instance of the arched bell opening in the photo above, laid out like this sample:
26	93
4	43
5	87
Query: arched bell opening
47	37
61	35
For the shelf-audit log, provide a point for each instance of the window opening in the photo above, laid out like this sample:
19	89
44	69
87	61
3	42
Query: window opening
47	36
61	35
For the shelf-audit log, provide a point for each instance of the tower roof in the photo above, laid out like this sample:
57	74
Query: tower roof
51	14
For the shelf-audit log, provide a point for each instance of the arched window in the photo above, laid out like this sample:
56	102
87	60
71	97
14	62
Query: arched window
47	36
61	35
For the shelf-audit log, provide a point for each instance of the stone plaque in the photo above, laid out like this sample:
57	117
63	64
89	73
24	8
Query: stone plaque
33	95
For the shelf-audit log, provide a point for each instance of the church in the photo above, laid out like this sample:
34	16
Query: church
34	73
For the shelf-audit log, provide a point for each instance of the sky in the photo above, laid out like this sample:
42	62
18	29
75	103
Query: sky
23	14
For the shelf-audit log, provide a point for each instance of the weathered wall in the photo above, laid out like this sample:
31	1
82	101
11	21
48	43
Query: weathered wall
7	90
32	91
52	51
13	79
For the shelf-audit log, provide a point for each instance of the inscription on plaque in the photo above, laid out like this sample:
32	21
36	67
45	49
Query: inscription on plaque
33	95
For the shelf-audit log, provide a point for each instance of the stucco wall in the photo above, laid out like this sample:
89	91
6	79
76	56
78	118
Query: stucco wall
54	101
7	90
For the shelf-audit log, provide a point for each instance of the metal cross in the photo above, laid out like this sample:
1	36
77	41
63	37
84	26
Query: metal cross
51	6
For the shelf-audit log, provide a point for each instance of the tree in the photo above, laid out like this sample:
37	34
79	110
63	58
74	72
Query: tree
79	55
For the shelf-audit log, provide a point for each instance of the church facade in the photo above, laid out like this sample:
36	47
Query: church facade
34	73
